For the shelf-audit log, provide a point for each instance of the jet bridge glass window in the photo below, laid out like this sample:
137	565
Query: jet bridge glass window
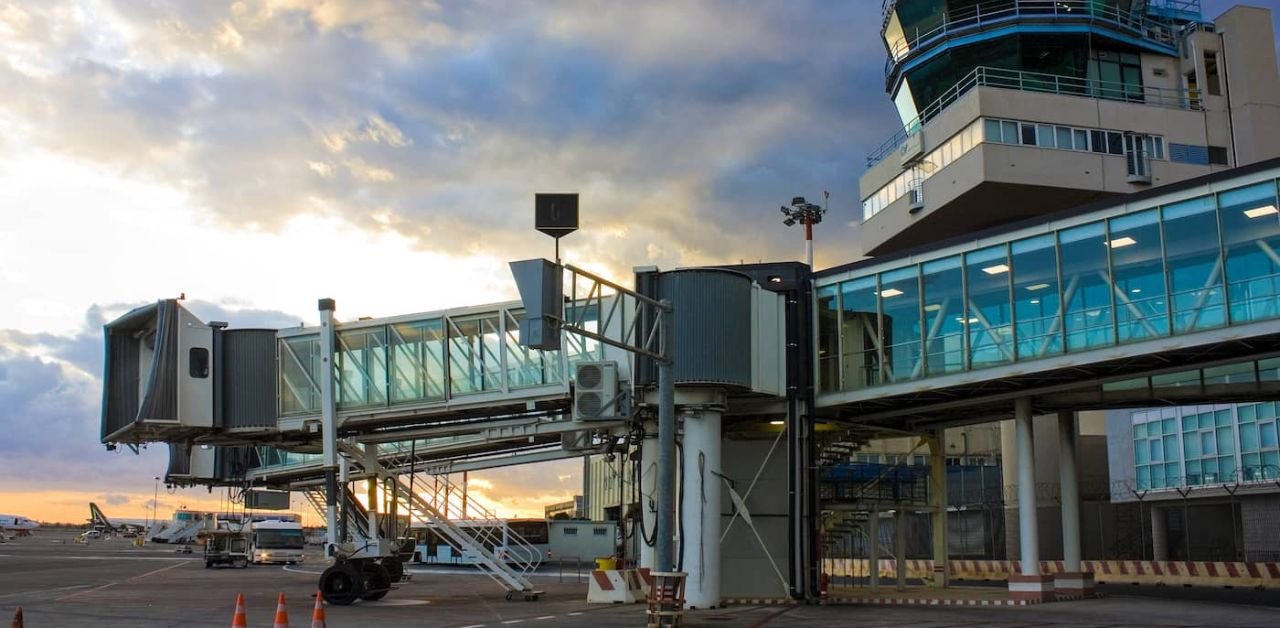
1086	286
1251	236
198	362
1142	310
900	305
1038	321
944	316
1194	264
988	317
860	339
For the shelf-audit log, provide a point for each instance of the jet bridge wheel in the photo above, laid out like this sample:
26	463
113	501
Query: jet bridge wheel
342	583
395	568
377	583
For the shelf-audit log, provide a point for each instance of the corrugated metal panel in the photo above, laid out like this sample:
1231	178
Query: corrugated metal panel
179	460
713	340
248	370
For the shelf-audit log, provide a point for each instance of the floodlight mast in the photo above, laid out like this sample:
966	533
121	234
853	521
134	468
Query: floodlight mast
809	214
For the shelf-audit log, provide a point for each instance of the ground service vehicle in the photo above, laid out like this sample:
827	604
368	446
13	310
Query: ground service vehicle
276	542
222	547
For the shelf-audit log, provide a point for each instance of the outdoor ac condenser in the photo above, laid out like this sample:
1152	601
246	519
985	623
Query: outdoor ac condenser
596	391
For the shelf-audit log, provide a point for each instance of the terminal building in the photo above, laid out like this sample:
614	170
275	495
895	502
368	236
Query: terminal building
1065	343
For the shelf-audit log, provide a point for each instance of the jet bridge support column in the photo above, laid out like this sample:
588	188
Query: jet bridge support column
1073	581
1028	585
938	505
700	497
648	483
328	427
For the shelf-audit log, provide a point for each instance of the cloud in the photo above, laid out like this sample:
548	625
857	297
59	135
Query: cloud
682	124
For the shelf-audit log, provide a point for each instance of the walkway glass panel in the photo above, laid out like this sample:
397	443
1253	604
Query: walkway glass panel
432	359
1132	273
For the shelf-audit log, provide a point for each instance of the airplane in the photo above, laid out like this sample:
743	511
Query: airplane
17	524
98	521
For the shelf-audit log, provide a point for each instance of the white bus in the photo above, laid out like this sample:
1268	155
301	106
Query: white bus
276	542
500	538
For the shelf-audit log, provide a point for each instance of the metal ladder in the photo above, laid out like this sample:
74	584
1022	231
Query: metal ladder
480	533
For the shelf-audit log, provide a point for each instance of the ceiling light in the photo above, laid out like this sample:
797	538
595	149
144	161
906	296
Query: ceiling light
933	307
1258	212
1039	286
1136	291
1124	241
891	292
777	422
996	270
1035	301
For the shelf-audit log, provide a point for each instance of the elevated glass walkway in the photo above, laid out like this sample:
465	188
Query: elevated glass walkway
427	364
1182	277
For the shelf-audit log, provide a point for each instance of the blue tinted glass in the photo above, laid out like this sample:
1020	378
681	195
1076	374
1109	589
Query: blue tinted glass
1085	286
1138	268
900	305
828	339
1194	264
859	335
990	316
944	315
1267	435
1038	321
1251	235
1248	438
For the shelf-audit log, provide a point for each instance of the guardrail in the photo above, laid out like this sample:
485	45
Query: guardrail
986	14
983	76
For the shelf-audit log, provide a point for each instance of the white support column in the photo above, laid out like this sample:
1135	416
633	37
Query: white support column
649	493
938	505
1028	537
700	506
873	540
328	427
1070	491
1028	585
371	463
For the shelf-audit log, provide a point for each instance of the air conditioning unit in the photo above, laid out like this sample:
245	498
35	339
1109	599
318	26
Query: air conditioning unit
915	197
595	394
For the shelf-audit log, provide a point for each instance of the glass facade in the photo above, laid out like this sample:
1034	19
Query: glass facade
1205	445
1149	273
428	360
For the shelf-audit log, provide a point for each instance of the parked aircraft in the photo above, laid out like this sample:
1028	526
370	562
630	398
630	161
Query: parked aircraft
17	525
98	521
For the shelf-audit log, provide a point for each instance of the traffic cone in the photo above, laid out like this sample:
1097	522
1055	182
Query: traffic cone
239	620
17	619
282	613
317	616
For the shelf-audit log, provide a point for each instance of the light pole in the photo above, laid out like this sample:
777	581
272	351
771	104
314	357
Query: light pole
154	498
807	214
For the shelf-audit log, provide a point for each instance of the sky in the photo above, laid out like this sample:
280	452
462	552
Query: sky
257	155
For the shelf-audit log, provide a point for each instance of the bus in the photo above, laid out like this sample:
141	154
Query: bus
276	542
512	540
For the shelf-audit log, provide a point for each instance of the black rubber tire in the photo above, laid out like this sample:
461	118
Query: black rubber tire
208	564
377	583
342	584
241	563
395	568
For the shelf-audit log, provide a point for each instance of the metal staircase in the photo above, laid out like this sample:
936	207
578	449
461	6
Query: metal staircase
478	536
498	551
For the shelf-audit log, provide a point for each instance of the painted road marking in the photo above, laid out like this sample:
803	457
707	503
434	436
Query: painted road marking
77	586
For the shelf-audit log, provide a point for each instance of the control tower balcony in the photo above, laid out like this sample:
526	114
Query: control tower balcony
1005	145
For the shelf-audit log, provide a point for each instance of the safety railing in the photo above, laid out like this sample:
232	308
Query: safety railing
987	14
983	76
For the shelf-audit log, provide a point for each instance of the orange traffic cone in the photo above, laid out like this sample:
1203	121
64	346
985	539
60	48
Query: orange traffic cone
282	614
317	616
239	620
17	619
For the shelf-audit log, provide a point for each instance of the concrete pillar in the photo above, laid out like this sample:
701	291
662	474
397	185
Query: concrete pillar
1159	534
700	506
873	541
938	505
1070	491
371	480
649	493
1028	585
900	546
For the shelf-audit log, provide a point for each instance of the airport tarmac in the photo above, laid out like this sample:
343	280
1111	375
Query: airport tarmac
112	583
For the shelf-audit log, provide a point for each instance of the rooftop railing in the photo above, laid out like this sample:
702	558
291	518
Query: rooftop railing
986	14
1042	83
